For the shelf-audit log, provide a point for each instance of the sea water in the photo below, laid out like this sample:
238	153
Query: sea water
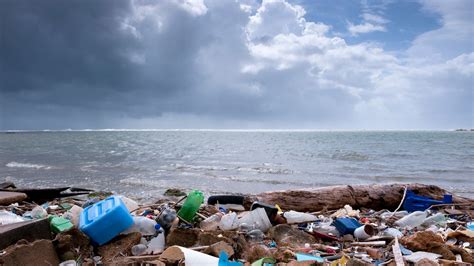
146	163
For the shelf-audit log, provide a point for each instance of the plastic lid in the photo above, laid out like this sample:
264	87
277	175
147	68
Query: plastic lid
157	227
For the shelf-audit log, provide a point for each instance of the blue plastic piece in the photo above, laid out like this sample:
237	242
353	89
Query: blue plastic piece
414	202
105	219
346	226
308	257
224	260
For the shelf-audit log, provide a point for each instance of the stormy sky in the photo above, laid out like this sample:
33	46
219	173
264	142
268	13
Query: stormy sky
319	64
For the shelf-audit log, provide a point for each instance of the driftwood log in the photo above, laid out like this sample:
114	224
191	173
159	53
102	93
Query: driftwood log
377	197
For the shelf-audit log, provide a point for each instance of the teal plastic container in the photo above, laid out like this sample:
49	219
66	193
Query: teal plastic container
191	206
105	219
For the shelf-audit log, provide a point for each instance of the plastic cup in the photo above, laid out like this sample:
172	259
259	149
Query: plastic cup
364	231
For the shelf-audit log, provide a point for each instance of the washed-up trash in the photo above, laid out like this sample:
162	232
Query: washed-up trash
229	222
224	260
143	225
7	217
190	206
419	255
73	214
68	263
271	210
438	219
157	244
139	249
393	232
412	220
212	222
364	231
293	217
264	261
415	202
346	211
167	218
258	217
189	257
346	225
129	203
105	219
308	257
59	224
38	212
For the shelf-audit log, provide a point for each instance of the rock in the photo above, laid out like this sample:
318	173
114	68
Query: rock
286	235
420	240
426	262
40	252
216	248
175	192
182	237
7	198
377	197
72	244
120	244
28	230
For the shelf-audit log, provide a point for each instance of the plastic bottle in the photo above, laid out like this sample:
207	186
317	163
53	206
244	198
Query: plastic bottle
212	222
412	220
244	227
436	219
258	218
73	214
166	218
138	250
229	222
7	217
143	225
256	235
293	217
191	206
157	244
38	212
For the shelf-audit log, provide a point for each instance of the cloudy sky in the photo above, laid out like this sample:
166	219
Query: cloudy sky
319	64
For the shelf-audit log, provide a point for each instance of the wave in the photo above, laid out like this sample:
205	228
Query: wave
28	165
349	156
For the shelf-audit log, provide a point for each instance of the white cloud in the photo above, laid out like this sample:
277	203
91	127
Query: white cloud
364	28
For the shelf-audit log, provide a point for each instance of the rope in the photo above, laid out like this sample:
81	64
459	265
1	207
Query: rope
401	202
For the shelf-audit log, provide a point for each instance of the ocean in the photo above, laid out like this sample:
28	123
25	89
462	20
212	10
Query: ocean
145	163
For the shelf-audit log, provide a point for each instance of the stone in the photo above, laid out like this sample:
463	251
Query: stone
175	192
7	197
286	235
40	252
121	244
28	230
184	237
73	244
216	248
426	262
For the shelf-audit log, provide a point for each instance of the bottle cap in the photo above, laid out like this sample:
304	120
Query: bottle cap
157	227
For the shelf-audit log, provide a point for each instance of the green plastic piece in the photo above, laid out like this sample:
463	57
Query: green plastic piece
59	224
191	206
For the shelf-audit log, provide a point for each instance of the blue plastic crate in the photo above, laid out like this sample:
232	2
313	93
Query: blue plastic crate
414	202
105	219
346	226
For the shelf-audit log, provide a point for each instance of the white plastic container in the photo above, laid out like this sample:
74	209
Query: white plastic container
258	218
364	231
142	225
294	217
229	222
157	244
73	214
412	220
212	222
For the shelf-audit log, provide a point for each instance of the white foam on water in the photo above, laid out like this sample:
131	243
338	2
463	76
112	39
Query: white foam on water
28	165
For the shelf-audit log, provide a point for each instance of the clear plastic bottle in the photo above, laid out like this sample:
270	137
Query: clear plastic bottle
138	250
157	244
412	220
38	212
256	235
212	222
166	218
438	219
229	222
143	225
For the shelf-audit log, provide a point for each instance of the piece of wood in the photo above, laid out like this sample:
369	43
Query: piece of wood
7	198
397	253
377	197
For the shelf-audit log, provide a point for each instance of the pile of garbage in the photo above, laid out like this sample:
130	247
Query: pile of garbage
88	228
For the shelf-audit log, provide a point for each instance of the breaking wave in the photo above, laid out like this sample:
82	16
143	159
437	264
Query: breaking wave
28	165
